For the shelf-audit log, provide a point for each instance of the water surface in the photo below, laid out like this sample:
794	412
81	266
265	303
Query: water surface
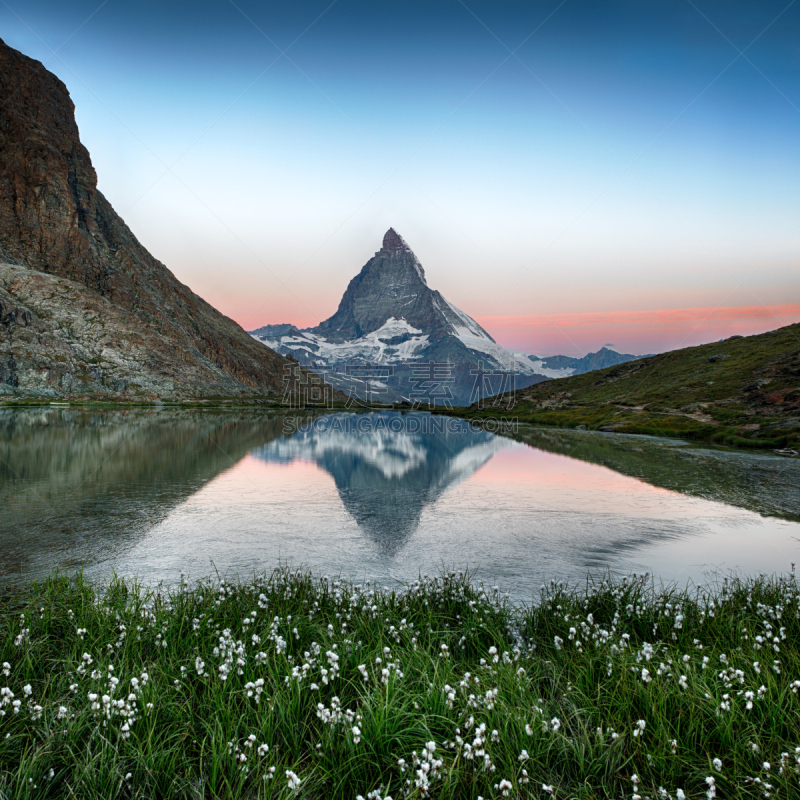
160	494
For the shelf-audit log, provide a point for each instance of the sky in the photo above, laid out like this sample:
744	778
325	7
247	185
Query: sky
572	174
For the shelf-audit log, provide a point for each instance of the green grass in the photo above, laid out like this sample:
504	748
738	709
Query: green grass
681	394
337	683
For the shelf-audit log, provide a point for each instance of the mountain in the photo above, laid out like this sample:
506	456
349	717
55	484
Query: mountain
84	308
564	366
391	320
744	391
387	470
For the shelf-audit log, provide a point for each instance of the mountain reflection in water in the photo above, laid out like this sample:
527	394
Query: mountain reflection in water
388	467
160	493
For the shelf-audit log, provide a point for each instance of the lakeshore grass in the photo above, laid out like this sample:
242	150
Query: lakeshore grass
302	687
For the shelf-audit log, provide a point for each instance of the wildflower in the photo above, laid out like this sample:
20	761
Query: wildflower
767	766
293	780
548	789
529	730
505	787
556	723
717	764
639	729
356	734
523	756
679	793
263	749
6	668
712	788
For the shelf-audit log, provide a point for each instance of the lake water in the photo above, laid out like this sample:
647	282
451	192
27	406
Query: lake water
385	497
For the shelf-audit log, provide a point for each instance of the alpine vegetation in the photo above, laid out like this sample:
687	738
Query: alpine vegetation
291	686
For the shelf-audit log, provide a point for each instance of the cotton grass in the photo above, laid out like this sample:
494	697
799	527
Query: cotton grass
292	686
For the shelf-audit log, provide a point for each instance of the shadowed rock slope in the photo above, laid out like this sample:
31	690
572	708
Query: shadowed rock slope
84	308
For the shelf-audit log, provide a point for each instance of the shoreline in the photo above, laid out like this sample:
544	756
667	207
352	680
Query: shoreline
693	431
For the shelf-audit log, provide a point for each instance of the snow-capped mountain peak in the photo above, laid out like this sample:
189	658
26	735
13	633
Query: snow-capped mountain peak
390	319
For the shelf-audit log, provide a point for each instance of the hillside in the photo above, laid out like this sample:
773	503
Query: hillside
84	308
743	391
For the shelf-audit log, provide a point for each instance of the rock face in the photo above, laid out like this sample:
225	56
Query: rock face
391	320
84	308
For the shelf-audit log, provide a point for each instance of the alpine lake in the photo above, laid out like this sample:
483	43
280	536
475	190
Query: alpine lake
160	495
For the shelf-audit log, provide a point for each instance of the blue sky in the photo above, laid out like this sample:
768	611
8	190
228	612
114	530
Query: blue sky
560	168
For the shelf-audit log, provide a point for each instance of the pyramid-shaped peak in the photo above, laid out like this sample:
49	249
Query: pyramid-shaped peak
393	241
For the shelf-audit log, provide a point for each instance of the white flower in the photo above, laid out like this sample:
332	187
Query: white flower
548	789
556	723
523	756
717	764
356	734
639	729
293	780
680	794
263	749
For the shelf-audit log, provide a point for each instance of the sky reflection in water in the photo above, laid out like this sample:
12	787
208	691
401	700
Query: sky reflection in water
389	505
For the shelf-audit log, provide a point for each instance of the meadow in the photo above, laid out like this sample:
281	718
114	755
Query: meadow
296	686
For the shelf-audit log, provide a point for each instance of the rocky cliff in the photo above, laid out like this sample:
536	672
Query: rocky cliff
84	308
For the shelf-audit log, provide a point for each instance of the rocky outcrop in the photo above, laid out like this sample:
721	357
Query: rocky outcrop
103	315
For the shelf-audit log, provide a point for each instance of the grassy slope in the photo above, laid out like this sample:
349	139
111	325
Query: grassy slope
229	691
749	398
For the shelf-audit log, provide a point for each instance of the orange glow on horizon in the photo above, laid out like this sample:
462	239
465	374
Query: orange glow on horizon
779	313
651	331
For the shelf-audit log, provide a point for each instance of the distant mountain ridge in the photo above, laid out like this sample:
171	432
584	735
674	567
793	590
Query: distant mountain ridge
391	319
84	308
569	365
